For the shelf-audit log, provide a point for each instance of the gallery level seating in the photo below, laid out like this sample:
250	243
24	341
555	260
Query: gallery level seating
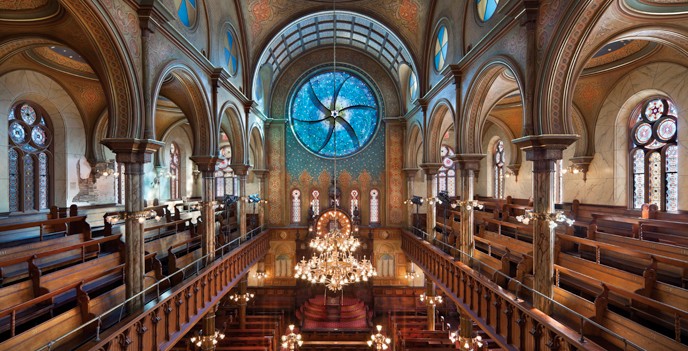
610	274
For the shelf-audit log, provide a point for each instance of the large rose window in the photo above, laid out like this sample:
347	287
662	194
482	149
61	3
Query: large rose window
334	114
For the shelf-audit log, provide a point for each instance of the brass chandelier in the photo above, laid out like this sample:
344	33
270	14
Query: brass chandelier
334	265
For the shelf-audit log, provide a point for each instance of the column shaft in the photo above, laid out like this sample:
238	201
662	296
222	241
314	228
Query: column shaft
467	218
431	214
208	330
242	206
208	215
134	257
543	235
243	285
430	294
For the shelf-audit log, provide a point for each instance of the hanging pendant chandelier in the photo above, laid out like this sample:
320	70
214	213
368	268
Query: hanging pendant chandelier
334	264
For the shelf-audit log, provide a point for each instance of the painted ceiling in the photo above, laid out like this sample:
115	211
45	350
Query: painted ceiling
405	17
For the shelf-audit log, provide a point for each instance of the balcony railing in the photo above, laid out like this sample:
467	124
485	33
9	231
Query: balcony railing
506	316
169	313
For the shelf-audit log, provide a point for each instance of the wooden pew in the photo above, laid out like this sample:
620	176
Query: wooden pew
69	250
517	231
666	232
653	265
88	306
644	308
44	230
180	256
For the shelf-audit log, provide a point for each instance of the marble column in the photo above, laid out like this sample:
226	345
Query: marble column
262	175
133	153
410	177
209	330
206	165
468	165
430	294
430	169
241	171
243	285
544	151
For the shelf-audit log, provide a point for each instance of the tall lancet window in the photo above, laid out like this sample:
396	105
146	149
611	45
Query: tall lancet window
374	206
445	178
174	171
296	206
225	180
498	160
654	154
354	200
30	158
315	202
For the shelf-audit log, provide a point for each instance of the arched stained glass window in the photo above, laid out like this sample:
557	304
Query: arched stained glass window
486	8
315	202
174	171
334	111
374	206
354	200
30	141
441	47
296	206
225	180
498	160
654	154
445	179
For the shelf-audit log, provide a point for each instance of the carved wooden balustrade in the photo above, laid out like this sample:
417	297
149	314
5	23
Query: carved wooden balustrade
161	326
509	321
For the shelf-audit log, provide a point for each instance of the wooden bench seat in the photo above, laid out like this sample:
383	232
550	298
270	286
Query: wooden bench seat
15	267
636	333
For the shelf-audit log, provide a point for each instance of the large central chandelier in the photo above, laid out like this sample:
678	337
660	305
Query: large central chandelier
334	264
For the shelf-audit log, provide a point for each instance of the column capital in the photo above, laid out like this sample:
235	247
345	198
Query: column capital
205	163
468	161
132	150
545	147
410	172
430	169
240	169
261	173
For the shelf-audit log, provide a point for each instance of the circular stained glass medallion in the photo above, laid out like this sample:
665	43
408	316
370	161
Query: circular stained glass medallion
666	129
441	47
187	11
28	114
486	8
17	133
39	136
231	53
643	133
334	114
654	109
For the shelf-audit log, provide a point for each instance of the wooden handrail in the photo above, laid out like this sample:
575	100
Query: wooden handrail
624	293
626	251
41	223
59	250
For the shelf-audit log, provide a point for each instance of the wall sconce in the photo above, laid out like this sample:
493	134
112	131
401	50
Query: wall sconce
580	164
141	216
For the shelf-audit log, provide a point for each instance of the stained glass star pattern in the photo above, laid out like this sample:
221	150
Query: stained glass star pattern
334	108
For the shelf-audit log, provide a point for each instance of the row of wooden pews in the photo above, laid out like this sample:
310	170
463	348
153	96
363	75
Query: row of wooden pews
625	269
60	272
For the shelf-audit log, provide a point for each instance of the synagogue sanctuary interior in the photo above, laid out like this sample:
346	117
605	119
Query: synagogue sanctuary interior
343	175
